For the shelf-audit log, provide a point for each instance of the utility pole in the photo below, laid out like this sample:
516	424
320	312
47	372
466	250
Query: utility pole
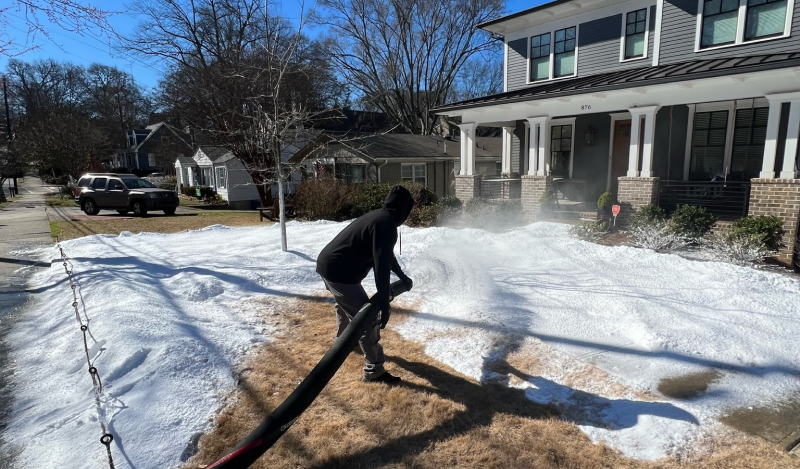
8	126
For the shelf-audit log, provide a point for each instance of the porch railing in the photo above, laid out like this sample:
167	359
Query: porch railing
726	200
501	188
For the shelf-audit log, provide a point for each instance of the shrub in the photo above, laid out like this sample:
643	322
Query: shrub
205	192
590	231
742	249
497	215
364	198
692	221
420	192
766	228
451	202
66	192
547	197
646	215
605	200
322	199
428	215
190	191
167	185
657	235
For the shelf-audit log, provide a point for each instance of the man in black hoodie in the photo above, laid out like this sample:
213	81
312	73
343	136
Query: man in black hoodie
367	243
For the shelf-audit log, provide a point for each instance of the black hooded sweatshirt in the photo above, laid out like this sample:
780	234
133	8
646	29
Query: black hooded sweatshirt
367	243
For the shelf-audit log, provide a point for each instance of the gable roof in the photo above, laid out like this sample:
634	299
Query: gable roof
632	78
398	146
153	129
186	161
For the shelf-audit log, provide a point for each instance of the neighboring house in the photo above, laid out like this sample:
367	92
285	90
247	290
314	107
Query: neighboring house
430	160
658	101
146	148
218	168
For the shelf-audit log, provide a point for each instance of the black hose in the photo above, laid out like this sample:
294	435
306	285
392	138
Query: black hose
279	421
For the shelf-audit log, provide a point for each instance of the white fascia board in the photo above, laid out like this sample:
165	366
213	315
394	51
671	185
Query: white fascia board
577	19
707	90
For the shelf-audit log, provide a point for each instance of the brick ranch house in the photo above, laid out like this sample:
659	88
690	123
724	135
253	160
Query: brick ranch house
659	101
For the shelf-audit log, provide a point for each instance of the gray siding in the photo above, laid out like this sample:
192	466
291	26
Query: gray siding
598	50
678	30
517	64
239	184
390	172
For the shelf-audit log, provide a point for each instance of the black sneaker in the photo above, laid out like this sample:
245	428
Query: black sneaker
386	378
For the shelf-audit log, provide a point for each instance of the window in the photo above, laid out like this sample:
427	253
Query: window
720	19
720	23
221	182
99	184
358	173
151	159
540	57
635	40
708	145
564	52
413	173
560	149
749	135
115	185
765	18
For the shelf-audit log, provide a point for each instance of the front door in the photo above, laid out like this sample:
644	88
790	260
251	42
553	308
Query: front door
619	153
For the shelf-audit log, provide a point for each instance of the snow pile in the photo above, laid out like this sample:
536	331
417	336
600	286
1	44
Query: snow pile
605	323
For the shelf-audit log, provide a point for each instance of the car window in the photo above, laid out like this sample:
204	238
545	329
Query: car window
99	183
84	182
115	184
138	183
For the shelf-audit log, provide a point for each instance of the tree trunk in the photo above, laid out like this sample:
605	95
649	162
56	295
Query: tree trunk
282	211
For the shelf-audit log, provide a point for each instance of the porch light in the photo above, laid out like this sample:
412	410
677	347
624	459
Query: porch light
589	136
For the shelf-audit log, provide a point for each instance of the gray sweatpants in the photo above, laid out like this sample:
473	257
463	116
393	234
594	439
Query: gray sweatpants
349	300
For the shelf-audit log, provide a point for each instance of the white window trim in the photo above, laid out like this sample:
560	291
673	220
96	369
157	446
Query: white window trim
731	107
413	177
550	125
647	15
552	33
740	25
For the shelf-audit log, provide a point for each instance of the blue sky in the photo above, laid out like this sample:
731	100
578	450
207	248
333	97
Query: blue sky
88	49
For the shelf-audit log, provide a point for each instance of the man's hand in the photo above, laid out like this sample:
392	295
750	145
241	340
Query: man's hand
385	313
405	279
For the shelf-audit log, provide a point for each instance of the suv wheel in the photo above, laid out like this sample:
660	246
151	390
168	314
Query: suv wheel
90	207
139	208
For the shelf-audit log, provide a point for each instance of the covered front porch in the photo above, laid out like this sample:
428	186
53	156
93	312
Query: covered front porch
671	135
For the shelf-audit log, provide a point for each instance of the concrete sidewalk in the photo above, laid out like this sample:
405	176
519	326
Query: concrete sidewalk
23	225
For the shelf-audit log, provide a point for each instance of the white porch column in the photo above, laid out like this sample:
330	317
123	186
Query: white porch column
467	149
792	137
649	115
508	133
538	146
771	144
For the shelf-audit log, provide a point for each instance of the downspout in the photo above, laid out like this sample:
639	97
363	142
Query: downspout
385	162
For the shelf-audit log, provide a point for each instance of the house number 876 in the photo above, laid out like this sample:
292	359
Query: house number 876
586	107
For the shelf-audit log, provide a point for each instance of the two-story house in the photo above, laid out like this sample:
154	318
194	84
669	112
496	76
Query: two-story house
658	101
152	148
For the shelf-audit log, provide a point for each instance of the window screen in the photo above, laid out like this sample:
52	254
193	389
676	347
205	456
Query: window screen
564	52
635	23
708	145
749	135
540	57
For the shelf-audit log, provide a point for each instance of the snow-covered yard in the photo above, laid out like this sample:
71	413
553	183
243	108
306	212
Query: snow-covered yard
607	324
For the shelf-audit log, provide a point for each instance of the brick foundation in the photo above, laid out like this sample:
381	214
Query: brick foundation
468	187
532	189
634	193
780	198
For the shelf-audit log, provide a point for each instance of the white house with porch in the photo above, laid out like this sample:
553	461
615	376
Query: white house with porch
659	101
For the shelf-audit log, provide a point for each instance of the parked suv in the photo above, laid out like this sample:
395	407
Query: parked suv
123	193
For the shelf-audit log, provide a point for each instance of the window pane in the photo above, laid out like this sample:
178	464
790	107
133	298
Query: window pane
729	5
630	29
565	64
419	172
570	33
719	29
560	35
405	171
540	68
545	38
712	7
559	48
631	18
640	27
765	20
634	46
534	42
99	183
640	15
569	44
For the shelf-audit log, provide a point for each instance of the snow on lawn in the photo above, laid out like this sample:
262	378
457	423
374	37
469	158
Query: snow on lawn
605	323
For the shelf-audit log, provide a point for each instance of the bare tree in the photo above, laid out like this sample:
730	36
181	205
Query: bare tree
404	56
69	15
481	76
246	79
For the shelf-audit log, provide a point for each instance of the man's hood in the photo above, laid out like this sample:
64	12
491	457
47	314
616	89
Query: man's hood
399	203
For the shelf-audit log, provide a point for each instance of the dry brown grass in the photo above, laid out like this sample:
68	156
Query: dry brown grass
436	418
153	224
